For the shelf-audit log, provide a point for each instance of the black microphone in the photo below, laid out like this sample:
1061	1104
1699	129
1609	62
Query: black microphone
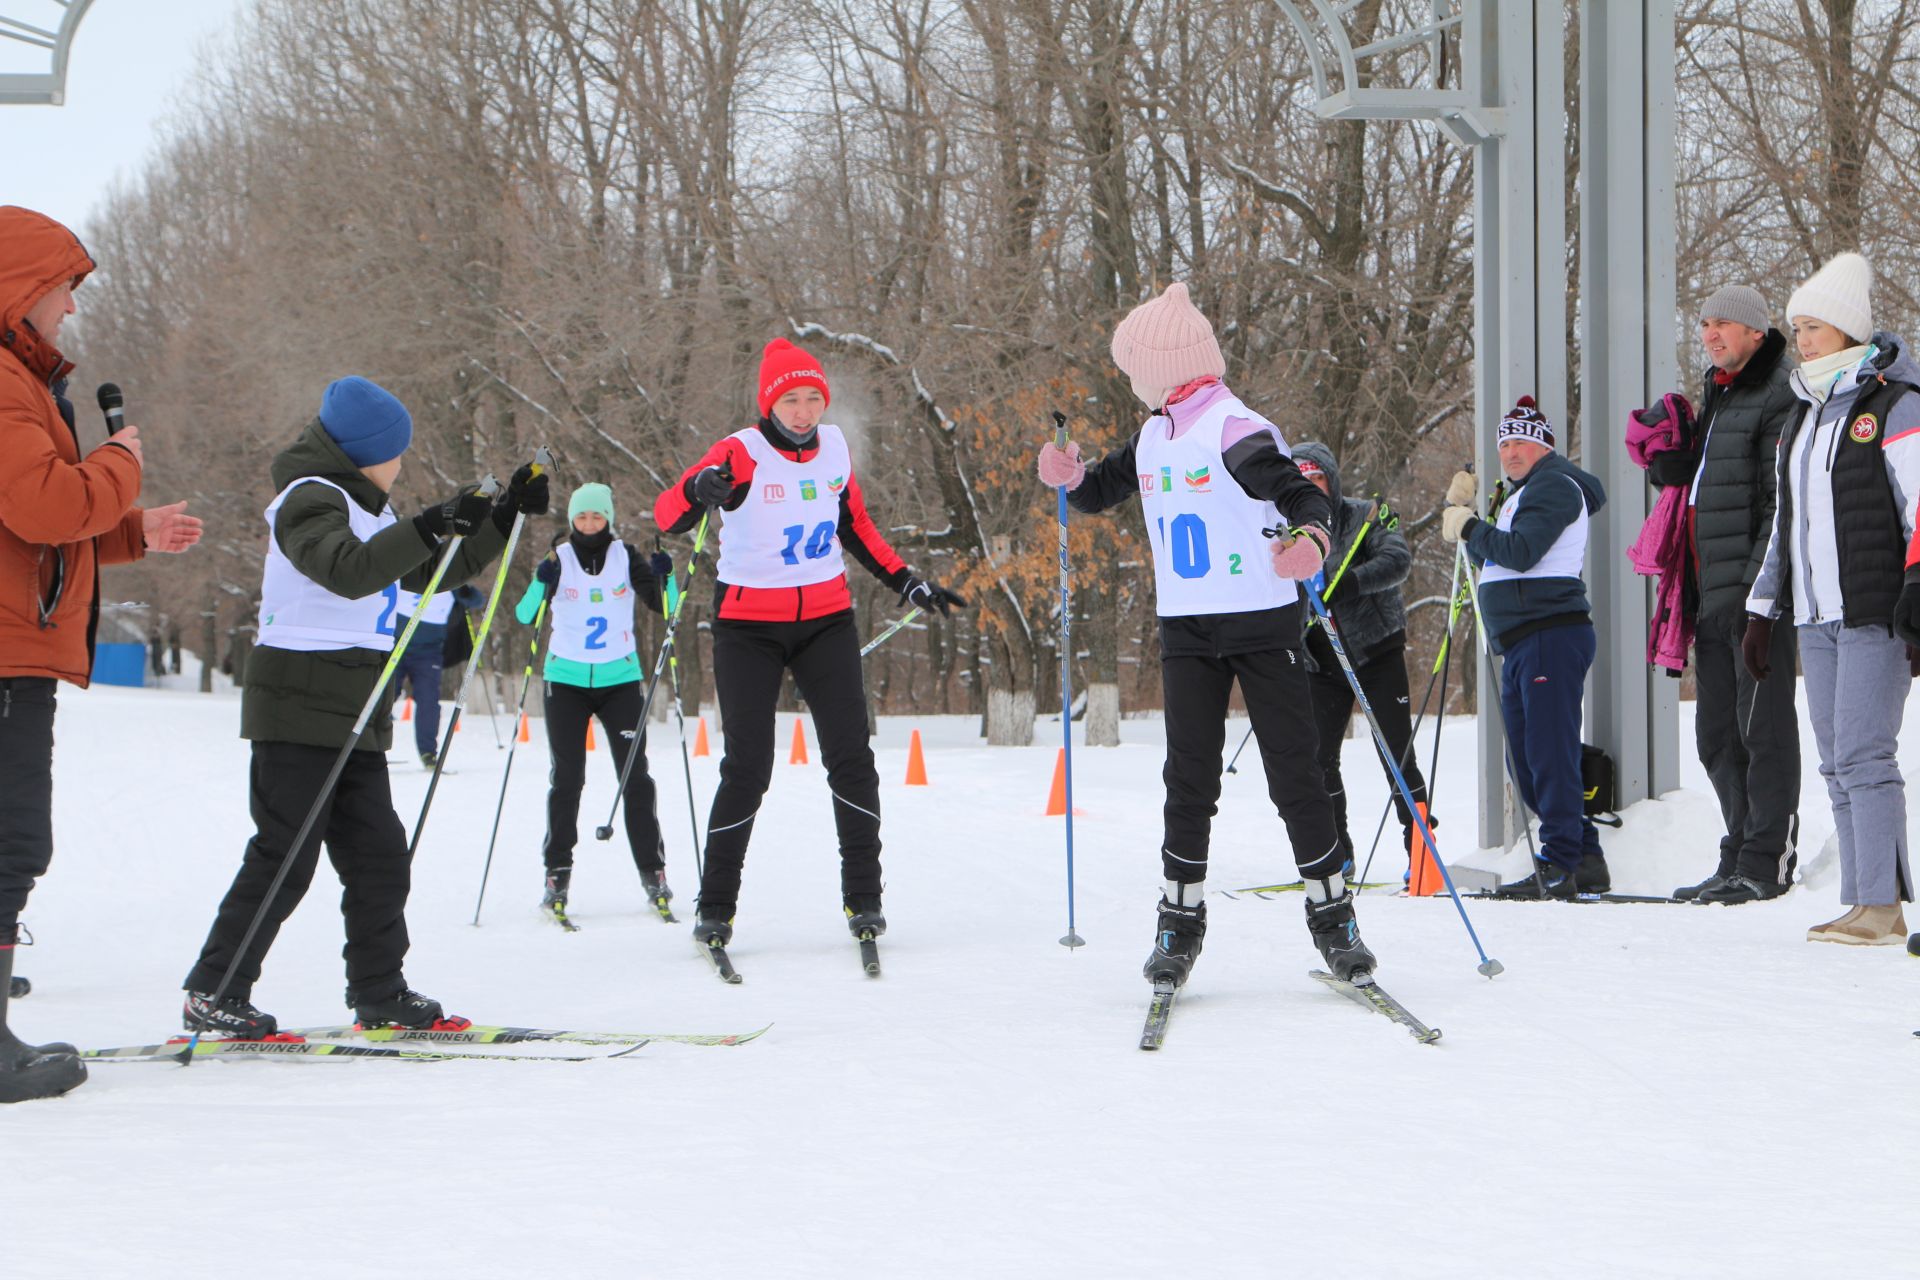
112	404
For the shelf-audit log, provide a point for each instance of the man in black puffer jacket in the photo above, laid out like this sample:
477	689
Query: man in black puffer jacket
1747	732
1365	567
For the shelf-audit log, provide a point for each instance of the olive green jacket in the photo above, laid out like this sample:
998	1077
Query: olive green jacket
314	698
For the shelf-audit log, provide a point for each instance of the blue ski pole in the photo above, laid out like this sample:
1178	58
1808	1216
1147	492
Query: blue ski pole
1072	939
1488	965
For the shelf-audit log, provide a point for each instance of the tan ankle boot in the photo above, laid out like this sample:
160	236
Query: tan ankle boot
1823	932
1869	927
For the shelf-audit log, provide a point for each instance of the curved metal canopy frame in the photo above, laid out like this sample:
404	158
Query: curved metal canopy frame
1343	73
40	88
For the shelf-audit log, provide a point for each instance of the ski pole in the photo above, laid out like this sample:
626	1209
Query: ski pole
526	682
1072	939
487	487
1488	966
672	603
886	635
1339	573
1506	755
542	461
605	831
486	687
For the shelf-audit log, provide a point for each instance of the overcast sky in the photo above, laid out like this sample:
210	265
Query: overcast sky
131	61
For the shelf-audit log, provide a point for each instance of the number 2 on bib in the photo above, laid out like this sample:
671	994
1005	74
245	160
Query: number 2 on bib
1187	549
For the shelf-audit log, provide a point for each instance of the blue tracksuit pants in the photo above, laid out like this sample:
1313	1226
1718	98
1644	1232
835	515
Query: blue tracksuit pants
1541	685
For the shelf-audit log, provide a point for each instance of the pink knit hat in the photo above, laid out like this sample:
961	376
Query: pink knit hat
1165	343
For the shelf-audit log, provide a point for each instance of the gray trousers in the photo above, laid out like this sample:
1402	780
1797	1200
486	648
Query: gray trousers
1857	682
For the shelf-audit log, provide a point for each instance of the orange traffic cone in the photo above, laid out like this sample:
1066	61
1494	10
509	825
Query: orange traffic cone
524	735
700	747
1423	876
406	711
799	755
1057	798
916	762
589	734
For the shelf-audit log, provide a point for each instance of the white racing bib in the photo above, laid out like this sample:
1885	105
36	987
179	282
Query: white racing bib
592	612
787	531
1209	552
1566	558
298	613
439	609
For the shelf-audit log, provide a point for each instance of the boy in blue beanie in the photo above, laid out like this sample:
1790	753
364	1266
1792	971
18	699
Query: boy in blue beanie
337	562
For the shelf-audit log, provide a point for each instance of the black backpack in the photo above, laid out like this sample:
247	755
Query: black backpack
1598	785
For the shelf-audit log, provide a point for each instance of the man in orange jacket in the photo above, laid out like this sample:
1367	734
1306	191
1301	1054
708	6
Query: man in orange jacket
61	517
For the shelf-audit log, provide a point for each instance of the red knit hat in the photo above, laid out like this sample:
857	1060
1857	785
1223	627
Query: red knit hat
783	367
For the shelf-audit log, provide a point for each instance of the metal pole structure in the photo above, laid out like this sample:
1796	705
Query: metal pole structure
41	88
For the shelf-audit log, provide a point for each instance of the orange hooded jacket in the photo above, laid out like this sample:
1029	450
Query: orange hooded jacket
60	518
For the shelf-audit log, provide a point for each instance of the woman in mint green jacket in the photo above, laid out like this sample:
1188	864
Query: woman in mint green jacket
590	584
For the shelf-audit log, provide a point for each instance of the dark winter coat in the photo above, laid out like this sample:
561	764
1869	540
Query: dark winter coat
1365	599
1877	443
1733	510
314	698
1518	607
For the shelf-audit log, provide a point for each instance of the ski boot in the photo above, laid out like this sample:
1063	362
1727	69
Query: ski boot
404	1008
1549	882
553	901
1593	874
654	885
1335	932
234	1018
713	925
30	1071
429	759
1182	928
863	914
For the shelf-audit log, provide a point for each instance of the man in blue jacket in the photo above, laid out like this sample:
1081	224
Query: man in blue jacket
1533	604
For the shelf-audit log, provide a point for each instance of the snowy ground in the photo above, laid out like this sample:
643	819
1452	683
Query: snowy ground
1647	1091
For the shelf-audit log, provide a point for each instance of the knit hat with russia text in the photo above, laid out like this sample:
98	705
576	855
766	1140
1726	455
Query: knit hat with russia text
783	367
1525	422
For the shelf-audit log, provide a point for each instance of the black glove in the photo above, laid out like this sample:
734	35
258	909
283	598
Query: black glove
1756	644
1906	610
929	596
547	573
710	486
461	514
1673	468
526	494
661	565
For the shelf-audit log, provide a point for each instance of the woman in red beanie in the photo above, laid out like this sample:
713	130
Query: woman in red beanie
787	502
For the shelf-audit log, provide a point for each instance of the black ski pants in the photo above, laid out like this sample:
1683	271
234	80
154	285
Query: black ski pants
617	707
1383	678
26	790
1748	736
368	847
1274	685
749	659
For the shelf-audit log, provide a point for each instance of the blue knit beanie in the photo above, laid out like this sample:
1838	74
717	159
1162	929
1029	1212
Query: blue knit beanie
366	420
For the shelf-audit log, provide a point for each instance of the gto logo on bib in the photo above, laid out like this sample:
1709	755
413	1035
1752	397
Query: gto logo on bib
1864	428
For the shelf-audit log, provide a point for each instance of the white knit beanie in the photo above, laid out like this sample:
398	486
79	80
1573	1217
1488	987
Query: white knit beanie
1840	294
1166	343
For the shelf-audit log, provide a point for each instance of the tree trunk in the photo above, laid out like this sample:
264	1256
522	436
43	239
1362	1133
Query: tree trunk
1010	717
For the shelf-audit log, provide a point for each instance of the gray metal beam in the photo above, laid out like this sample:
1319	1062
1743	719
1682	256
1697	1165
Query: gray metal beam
42	88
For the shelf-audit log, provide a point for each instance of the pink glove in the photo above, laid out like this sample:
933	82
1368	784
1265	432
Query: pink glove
1300	558
1061	466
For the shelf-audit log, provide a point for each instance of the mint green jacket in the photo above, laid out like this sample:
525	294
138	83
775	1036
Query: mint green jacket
584	675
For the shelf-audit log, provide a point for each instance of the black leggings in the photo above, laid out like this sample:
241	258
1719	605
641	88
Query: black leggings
1384	680
749	659
617	707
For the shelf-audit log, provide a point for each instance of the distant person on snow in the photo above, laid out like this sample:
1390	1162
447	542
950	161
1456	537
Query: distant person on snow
426	658
1211	476
337	560
1360	586
61	517
1532	550
591	584
1746	731
787	501
1844	561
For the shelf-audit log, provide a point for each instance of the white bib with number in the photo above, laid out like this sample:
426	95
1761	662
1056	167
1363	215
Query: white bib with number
787	531
298	613
592	612
1566	558
1209	554
439	609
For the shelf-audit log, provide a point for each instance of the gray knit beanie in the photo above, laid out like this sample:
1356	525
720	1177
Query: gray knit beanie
1739	303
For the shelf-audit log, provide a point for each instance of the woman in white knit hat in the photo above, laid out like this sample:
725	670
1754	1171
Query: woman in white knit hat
1211	475
1849	481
